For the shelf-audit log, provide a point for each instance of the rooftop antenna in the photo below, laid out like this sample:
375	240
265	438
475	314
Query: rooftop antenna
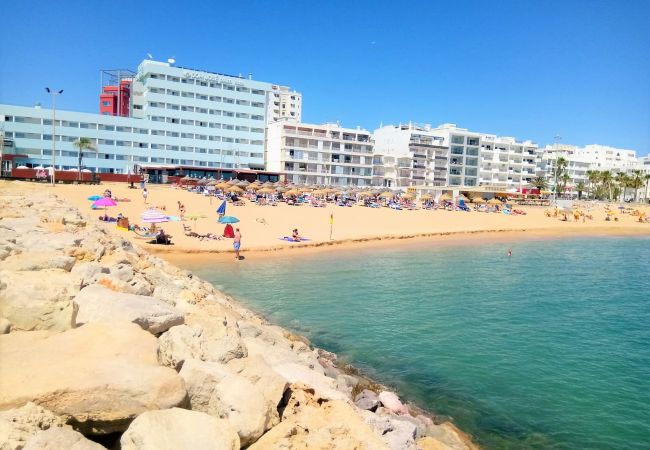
149	55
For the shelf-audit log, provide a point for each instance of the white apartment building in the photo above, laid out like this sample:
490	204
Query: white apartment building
577	166
603	157
325	154
506	163
283	103
179	116
409	156
464	152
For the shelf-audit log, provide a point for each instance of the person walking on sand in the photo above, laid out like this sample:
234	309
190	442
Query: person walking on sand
181	210
145	193
237	243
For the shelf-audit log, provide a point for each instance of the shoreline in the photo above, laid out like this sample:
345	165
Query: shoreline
444	238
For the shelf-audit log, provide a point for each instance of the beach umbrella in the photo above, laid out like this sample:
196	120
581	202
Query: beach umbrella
407	196
222	186
211	183
253	187
104	201
154	216
494	201
232	181
426	197
445	197
244	183
94	198
228	219
266	190
194	218
386	194
462	197
235	189
222	209
292	192
282	189
478	200
202	181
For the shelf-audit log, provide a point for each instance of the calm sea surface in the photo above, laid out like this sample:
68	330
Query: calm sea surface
547	349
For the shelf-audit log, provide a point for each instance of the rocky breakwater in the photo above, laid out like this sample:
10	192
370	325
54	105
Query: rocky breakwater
104	345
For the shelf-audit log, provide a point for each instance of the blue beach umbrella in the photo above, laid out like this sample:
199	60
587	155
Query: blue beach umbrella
228	219
94	198
222	209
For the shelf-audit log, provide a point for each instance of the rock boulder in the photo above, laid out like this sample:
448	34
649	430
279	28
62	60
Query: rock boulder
100	304
172	429
98	377
19	424
60	439
39	301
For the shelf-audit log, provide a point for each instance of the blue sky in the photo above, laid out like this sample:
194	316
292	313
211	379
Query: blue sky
529	69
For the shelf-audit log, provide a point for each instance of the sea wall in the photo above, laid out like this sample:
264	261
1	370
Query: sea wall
103	345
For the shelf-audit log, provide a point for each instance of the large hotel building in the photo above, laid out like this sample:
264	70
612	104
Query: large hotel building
176	117
170	120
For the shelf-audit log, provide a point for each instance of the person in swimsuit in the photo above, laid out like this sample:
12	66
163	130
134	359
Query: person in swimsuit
237	243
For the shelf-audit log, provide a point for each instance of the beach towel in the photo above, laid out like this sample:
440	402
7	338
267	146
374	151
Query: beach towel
290	239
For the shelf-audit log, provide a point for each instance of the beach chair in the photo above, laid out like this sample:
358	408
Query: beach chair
146	235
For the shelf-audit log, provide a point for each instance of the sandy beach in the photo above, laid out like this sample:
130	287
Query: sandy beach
263	227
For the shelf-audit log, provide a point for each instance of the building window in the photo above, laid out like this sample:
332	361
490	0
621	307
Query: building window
106	103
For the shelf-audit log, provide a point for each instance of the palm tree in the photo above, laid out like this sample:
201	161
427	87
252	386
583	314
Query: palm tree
636	182
540	183
623	182
606	179
593	176
82	144
560	165
564	179
580	187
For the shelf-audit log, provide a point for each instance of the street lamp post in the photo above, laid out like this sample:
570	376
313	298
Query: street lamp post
54	94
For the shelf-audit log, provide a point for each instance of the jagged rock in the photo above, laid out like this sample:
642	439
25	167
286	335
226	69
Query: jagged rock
367	400
276	355
39	302
74	220
87	271
398	435
184	342
99	304
429	443
38	261
60	439
5	326
324	387
345	383
19	424
255	370
250	407
333	426
98	377
137	286
173	429
420	427
448	435
391	402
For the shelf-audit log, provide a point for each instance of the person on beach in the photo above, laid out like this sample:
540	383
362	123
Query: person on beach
509	252
181	210
145	193
237	243
295	235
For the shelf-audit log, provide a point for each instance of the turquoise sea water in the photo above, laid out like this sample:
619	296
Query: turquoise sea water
548	349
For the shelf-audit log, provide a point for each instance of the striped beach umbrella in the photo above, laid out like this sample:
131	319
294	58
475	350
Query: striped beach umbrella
154	216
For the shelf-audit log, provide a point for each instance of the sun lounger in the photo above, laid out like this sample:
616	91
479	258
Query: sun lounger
147	235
